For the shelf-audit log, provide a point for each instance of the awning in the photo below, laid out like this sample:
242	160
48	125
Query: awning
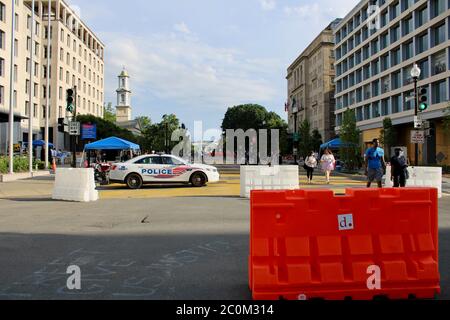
335	144
112	143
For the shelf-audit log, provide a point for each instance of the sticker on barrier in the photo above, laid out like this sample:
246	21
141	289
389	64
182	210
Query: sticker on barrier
364	244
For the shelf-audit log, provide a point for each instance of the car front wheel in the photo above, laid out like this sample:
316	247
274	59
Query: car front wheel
198	180
134	181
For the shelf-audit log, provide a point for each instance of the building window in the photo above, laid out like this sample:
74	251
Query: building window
359	114
395	80
385	107
384	62
395	57
2	67
422	43
438	35
375	88
395	33
408	50
396	103
438	63
395	10
2	12
409	104
422	17
385	84
376	109
437	7
2	40
423	65
2	95
439	91
408	26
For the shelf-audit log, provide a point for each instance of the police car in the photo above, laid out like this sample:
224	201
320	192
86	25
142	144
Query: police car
159	169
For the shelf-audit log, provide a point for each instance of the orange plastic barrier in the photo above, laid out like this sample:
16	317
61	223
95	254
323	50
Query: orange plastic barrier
315	245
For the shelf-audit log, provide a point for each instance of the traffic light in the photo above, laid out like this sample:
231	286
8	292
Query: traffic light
70	100
61	125
423	100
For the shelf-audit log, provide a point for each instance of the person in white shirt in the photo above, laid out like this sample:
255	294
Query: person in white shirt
328	164
310	165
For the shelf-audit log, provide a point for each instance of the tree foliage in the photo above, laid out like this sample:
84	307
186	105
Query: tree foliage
254	116
388	136
350	137
109	113
154	136
106	129
305	143
316	140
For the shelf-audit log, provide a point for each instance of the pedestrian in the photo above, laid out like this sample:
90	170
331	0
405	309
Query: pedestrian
328	164
375	164
310	165
399	169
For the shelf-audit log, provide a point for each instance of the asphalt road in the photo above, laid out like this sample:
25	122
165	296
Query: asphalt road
170	248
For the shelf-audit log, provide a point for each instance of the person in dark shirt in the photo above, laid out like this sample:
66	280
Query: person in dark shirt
399	169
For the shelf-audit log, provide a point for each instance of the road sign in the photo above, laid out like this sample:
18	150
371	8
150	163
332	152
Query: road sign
418	123
74	128
89	132
418	136
296	137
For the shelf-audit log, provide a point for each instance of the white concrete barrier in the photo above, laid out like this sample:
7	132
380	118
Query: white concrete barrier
420	177
268	178
75	185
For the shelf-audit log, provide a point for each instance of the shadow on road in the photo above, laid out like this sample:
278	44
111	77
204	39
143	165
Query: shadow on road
179	266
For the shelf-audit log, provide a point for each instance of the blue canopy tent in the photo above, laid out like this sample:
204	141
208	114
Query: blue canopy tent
38	143
335	144
112	143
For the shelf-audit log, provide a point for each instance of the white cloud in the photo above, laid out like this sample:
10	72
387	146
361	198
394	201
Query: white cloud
183	69
325	10
182	27
268	5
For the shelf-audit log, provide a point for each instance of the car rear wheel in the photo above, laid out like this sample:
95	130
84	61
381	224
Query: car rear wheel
134	181
198	180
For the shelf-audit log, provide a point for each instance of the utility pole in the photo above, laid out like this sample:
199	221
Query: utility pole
74	138
30	103
415	74
9	143
47	104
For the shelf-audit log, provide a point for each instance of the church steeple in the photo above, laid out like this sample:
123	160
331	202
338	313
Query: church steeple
123	108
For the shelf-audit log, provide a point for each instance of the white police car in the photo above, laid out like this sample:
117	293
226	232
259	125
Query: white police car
159	169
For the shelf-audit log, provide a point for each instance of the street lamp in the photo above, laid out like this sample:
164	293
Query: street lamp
415	74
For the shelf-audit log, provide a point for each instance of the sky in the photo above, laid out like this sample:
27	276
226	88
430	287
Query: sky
196	58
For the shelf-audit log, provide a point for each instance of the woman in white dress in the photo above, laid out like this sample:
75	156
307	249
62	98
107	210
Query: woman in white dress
328	164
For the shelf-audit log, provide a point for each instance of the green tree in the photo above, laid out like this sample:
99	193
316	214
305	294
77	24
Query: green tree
245	117
254	116
144	122
388	136
350	137
109	113
157	137
305	144
316	140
